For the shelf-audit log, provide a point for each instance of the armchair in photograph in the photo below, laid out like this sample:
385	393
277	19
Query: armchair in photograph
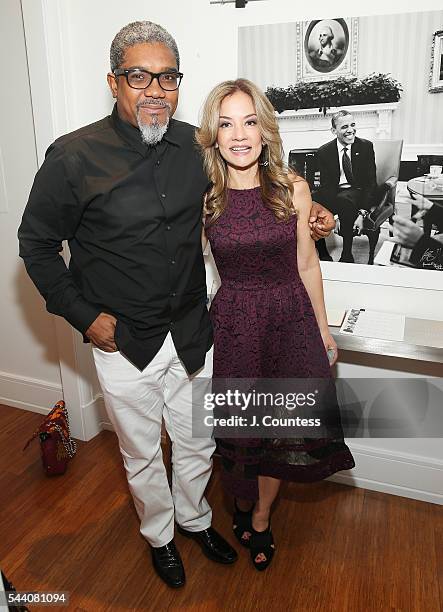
387	161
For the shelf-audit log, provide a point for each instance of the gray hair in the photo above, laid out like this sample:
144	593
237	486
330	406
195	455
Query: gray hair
336	116
330	34
139	32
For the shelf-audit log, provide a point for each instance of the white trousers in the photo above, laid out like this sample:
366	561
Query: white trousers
136	402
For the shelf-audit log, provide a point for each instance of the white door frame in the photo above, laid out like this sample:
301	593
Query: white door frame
45	27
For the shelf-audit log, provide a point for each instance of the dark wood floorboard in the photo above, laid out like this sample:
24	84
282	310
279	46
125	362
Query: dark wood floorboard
340	548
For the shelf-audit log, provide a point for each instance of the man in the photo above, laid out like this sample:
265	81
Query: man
127	193
326	55
347	180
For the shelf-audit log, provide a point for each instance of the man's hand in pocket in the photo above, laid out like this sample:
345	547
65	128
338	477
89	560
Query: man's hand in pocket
101	332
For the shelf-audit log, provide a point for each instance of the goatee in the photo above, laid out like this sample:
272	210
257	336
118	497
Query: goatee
152	133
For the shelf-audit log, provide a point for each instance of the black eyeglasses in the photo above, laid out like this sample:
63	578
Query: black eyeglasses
138	78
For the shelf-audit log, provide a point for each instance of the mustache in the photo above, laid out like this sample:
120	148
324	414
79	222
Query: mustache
153	101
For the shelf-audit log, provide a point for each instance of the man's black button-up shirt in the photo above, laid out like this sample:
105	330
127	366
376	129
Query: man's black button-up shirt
131	214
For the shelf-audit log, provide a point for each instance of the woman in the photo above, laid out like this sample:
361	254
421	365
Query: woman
269	316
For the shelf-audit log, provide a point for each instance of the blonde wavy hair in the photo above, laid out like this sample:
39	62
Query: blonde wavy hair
275	181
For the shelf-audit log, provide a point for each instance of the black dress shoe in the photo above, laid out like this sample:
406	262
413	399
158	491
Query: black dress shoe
212	544
168	564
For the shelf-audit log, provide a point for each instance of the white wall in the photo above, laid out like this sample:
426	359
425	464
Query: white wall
29	364
401	45
77	36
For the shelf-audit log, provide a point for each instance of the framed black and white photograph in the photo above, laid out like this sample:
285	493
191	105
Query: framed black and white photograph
327	48
436	76
388	117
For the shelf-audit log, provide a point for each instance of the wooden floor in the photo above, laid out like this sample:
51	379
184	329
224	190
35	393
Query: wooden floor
339	548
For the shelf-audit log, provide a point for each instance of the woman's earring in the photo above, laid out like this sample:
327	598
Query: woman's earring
216	145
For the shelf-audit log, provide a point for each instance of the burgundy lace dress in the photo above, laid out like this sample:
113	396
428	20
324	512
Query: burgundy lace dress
265	327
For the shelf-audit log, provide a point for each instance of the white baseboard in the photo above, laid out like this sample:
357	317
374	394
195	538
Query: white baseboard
40	396
395	473
29	393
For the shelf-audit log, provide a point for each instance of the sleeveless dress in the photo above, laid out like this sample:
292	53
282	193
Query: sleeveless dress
265	327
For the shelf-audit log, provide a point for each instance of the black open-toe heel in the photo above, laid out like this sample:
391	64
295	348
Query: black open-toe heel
242	525
262	545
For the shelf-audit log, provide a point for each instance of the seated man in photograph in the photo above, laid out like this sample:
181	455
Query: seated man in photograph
348	184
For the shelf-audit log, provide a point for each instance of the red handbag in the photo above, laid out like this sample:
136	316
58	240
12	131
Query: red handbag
56	445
